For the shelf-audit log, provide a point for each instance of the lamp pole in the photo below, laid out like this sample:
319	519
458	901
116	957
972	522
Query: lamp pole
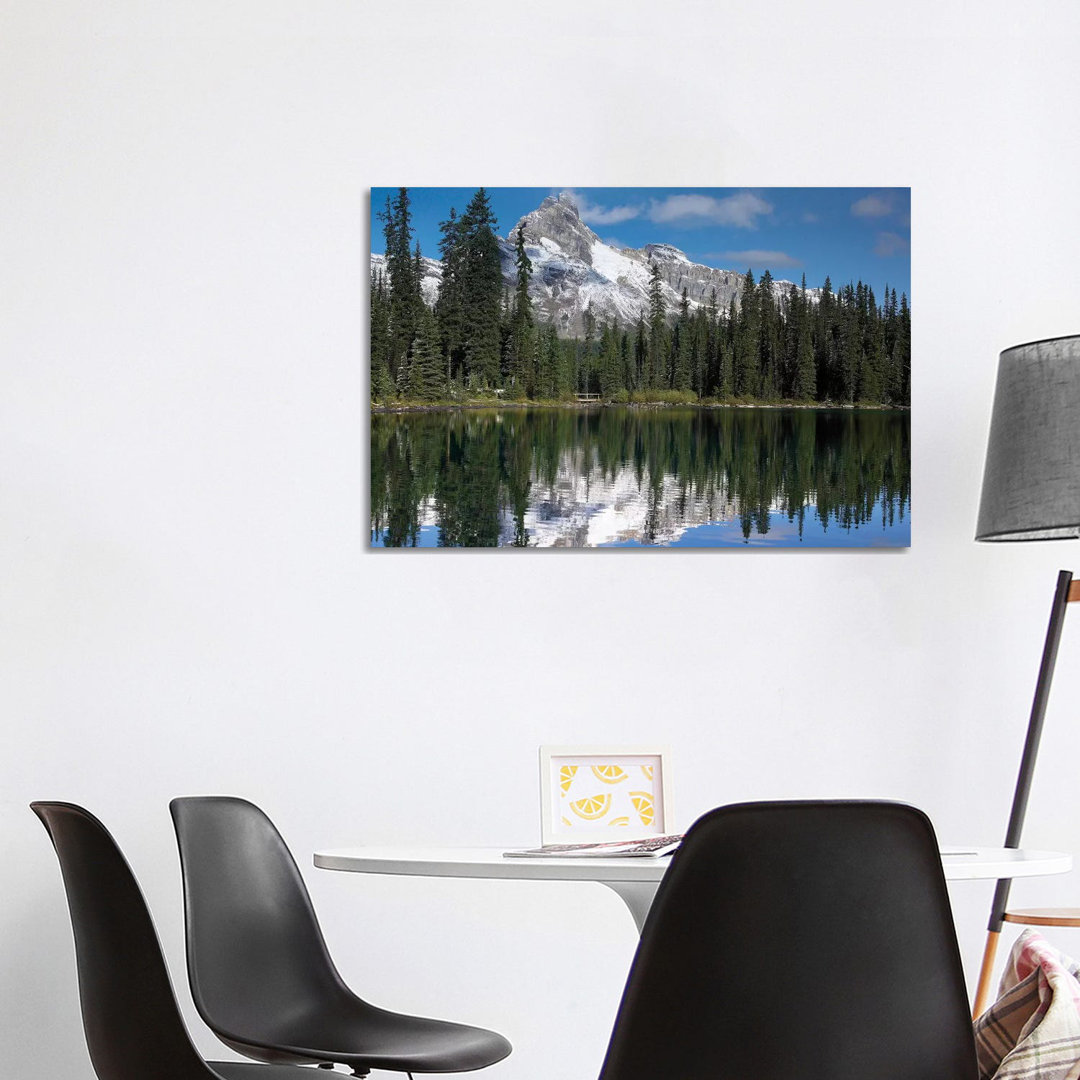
1065	592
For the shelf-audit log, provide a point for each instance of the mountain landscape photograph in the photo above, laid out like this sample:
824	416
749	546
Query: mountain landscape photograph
622	367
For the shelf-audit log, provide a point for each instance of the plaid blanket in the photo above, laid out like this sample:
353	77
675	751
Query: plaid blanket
1032	1031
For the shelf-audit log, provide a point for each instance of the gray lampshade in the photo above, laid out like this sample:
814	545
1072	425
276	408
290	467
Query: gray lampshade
1031	485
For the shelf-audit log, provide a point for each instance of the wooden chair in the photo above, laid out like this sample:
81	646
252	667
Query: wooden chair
1050	916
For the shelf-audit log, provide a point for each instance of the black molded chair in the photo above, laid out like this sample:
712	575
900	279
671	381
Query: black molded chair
798	941
133	1026
260	972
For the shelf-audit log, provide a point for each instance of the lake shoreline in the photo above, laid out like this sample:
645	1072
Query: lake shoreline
461	406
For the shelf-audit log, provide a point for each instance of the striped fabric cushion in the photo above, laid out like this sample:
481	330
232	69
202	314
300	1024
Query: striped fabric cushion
1032	1031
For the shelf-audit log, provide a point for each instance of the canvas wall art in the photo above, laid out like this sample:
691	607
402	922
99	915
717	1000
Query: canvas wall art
640	367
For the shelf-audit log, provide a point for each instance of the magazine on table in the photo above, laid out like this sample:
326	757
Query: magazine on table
649	847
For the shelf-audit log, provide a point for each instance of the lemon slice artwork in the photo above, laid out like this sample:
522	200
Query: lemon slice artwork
624	820
566	777
609	774
643	804
592	808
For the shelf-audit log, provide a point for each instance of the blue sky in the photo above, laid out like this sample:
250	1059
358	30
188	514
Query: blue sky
847	233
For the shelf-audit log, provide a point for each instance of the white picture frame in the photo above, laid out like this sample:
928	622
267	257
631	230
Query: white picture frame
596	793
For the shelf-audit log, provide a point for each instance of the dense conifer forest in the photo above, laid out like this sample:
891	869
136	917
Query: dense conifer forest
482	340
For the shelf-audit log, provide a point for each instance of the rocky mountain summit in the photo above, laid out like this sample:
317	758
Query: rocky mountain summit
574	271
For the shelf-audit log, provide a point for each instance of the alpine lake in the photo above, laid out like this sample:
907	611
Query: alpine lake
641	476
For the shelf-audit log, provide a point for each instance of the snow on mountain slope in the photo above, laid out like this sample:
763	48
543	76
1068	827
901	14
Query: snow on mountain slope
429	283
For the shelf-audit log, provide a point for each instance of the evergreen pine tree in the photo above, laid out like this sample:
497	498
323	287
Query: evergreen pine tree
681	377
522	343
381	384
482	287
874	360
548	362
726	352
656	374
626	362
901	354
711	358
805	387
567	368
426	378
825	349
404	283
794	315
641	355
769	348
850	343
747	379
583	384
505	317
450	305
609	361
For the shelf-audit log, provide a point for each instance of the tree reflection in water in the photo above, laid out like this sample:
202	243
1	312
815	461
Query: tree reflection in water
640	476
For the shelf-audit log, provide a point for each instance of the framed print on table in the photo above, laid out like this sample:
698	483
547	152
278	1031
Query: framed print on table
594	793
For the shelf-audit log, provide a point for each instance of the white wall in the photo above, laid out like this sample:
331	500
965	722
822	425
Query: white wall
186	604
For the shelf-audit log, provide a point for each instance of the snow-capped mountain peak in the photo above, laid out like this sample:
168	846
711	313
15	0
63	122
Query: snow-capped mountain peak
555	226
574	270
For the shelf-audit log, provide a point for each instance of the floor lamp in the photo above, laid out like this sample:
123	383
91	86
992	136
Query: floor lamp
1031	491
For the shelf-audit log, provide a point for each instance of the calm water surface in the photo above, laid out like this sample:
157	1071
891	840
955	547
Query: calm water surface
631	477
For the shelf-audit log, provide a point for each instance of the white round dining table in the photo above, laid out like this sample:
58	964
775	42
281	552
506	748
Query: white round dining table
636	879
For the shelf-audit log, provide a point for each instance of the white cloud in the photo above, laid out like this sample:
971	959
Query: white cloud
594	214
890	243
740	210
872	206
755	258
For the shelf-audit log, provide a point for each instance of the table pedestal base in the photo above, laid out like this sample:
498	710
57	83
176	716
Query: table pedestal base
637	896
